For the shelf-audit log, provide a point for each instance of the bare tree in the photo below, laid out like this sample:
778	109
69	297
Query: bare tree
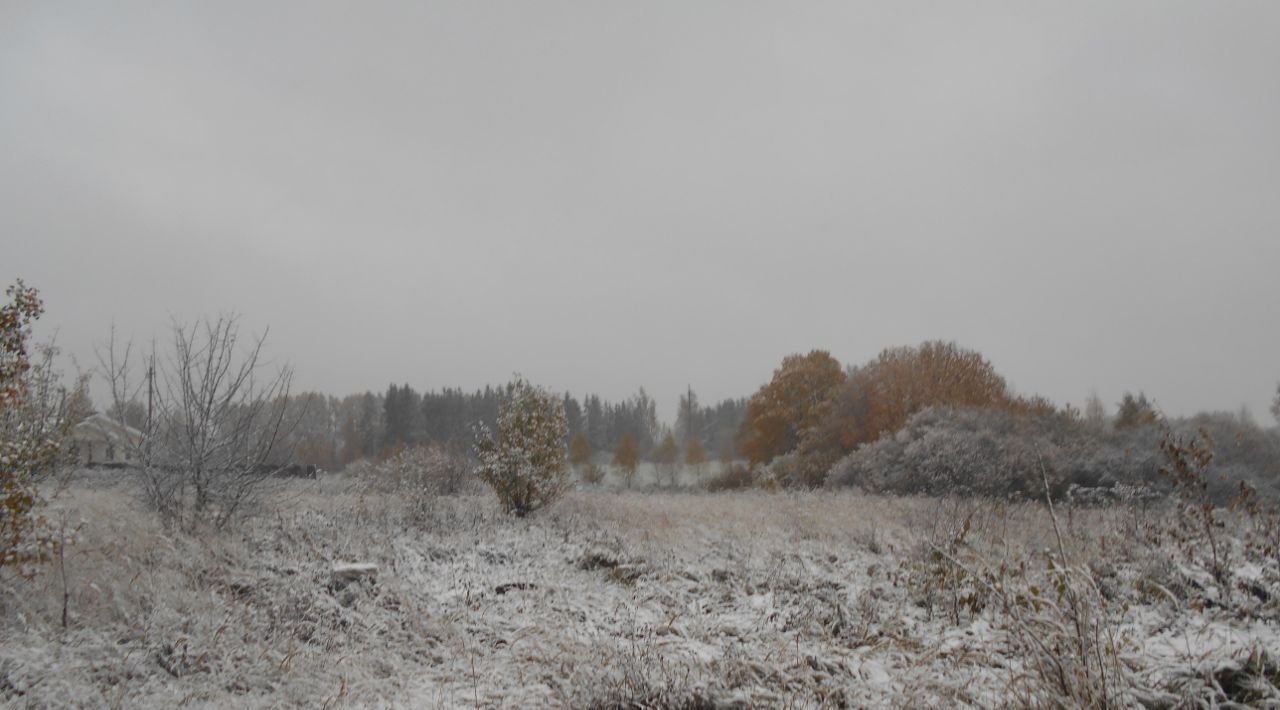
1095	412
217	410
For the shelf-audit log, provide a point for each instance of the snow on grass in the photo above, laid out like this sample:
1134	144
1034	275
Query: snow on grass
607	599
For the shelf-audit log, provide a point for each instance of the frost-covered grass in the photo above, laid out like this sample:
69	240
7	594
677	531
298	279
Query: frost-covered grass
650	476
637	599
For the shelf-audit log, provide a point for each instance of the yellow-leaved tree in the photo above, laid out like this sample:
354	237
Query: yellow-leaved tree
667	457
695	456
627	458
581	459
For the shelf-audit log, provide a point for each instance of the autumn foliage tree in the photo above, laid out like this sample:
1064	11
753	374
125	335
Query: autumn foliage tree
726	453
695	456
879	397
1135	412
36	416
627	458
580	458
905	380
795	400
579	450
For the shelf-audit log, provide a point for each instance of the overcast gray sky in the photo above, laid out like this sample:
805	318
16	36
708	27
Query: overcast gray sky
603	195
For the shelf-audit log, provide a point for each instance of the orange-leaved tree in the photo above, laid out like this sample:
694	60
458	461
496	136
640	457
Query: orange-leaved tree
579	450
881	395
695	456
36	417
794	400
902	381
581	456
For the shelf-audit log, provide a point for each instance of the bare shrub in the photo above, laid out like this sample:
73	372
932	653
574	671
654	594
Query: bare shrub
434	470
1052	614
735	476
415	479
1243	452
1217	538
1187	470
592	473
667	459
220	414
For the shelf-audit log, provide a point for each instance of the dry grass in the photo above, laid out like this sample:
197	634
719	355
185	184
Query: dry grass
609	599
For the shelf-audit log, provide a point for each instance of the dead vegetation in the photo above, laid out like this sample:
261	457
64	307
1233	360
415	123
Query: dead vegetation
671	600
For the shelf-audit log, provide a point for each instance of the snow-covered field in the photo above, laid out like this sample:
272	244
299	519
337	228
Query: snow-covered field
632	599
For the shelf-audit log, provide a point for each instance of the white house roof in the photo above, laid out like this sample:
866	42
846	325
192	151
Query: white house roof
102	427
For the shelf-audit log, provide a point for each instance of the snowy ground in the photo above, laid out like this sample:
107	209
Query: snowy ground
612	599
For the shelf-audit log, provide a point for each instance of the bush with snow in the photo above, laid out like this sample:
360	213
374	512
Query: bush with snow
420	471
989	452
996	453
411	483
526	463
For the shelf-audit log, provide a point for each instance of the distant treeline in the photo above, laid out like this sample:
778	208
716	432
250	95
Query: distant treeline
332	432
931	418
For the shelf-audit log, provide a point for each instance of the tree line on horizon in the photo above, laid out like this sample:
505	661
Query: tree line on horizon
810	416
333	432
934	419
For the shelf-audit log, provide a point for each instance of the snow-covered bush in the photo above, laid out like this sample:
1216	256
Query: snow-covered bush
410	484
991	452
526	463
420	472
592	473
1242	451
941	450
